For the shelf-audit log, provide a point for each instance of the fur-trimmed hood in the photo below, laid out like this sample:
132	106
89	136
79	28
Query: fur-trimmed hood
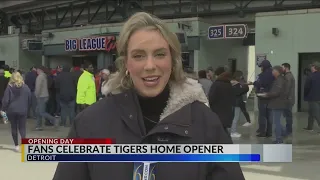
180	95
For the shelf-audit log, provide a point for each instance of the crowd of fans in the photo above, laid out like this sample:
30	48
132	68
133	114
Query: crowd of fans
58	93
55	94
275	88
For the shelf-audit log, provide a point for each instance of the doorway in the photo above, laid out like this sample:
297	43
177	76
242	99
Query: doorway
232	65
2	63
79	60
305	59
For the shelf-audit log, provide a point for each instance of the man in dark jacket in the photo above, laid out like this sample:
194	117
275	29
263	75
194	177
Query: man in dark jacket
312	95
65	84
277	97
77	71
262	85
52	103
291	87
30	81
221	97
58	70
3	85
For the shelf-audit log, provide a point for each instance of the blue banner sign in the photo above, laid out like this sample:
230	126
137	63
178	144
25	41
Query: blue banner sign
103	43
216	32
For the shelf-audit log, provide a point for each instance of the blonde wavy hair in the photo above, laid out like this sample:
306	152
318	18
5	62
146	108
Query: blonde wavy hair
121	80
16	80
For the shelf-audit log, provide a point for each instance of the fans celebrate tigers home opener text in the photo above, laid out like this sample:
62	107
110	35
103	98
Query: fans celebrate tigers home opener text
73	150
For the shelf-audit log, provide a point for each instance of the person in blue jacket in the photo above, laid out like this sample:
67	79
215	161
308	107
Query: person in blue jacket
263	84
312	95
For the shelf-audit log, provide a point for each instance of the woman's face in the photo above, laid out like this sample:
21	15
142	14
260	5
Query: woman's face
149	62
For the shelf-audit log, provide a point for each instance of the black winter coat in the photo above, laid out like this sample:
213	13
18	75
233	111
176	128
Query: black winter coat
239	90
312	87
66	85
3	85
186	120
222	99
77	75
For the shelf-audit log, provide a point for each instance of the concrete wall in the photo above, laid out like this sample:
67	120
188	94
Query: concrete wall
298	34
14	56
216	53
9	49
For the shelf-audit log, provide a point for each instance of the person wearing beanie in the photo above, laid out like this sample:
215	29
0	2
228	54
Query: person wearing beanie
263	84
277	101
312	95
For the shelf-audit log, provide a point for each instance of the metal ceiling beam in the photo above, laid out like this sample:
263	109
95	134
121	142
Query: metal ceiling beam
124	8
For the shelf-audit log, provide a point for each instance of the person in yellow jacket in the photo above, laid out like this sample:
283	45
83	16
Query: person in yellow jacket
7	73
86	88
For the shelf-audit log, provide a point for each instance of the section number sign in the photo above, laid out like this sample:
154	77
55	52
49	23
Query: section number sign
236	31
229	31
216	32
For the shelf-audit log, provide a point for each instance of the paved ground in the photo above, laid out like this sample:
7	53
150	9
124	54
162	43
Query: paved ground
305	166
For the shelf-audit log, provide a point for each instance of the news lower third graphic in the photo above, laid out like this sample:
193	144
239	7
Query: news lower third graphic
104	150
144	157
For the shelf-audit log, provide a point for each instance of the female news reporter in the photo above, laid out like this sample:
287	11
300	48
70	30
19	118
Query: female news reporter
151	102
15	102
